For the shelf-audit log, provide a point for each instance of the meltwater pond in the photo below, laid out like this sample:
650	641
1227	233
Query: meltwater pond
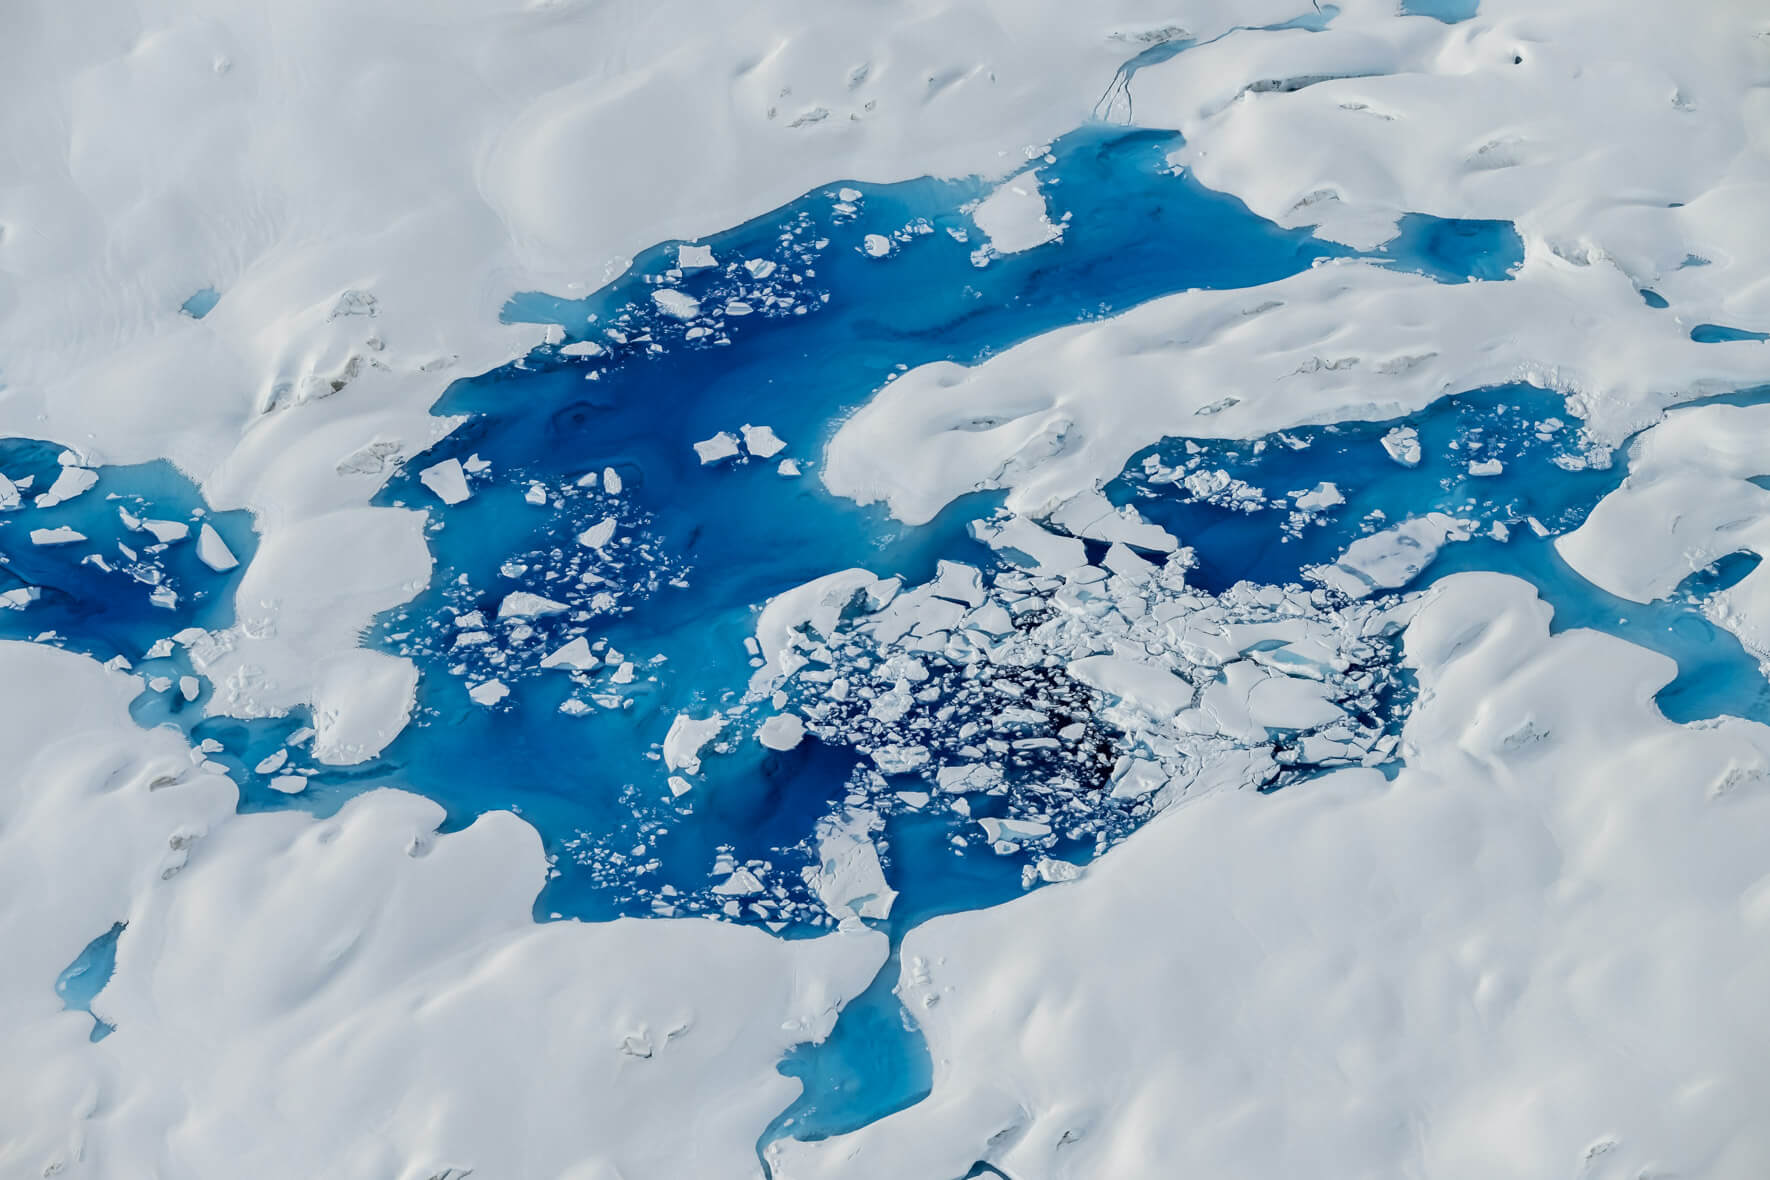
582	510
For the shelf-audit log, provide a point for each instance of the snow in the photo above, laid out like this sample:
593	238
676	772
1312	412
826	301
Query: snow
1534	952
278	958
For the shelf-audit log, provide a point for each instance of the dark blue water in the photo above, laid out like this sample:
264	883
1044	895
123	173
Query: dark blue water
699	547
120	588
86	976
1549	479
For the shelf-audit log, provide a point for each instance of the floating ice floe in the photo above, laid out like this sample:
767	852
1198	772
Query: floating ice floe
447	481
687	737
717	449
212	551
1013	217
762	442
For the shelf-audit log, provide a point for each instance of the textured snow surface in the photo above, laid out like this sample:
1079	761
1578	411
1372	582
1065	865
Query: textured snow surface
385	981
262	243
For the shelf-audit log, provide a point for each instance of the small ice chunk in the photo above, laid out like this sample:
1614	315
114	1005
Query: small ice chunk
759	268
685	740
679	786
694	257
611	481
1014	831
473	464
520	604
762	441
189	687
900	759
783	731
598	534
575	655
788	467
676	304
1403	445
488	692
583	348
536	494
741	883
273	763
720	447
288	784
213	552
1487	467
60	535
848	195
167	531
9	497
446	480
876	245
1324	495
73	481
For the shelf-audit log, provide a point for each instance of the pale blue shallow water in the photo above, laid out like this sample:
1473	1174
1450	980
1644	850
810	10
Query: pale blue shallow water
86	976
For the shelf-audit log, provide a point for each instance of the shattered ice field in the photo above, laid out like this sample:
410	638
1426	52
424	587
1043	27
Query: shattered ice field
959	590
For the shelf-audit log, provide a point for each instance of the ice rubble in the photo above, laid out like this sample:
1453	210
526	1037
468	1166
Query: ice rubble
1069	698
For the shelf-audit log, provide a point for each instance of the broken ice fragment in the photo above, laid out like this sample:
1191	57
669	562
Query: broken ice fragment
762	441
685	740
720	447
520	604
1403	445
73	481
575	655
676	304
446	480
782	731
488	693
61	535
598	534
213	552
694	257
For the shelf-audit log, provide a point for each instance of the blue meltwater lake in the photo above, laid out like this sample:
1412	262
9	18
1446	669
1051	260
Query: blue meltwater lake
585	492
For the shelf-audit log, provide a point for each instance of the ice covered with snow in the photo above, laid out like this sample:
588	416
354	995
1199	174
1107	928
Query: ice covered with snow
1295	904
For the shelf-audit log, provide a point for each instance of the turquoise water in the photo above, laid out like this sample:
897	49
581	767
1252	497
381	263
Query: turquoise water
1448	11
86	976
201	303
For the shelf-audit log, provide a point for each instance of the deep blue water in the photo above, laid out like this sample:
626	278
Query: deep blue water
98	595
708	544
86	976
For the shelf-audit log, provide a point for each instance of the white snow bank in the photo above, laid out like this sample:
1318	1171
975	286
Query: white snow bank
362	962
